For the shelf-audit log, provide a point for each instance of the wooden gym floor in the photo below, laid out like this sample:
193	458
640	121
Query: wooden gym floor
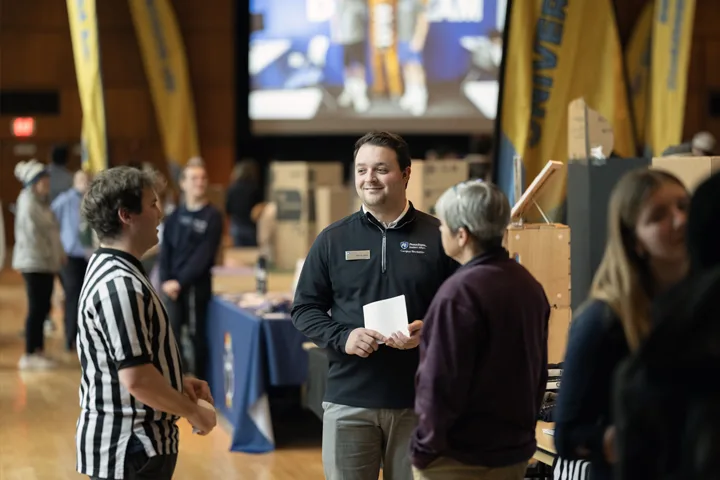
38	411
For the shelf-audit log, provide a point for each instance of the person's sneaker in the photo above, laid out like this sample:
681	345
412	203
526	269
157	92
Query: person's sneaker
35	361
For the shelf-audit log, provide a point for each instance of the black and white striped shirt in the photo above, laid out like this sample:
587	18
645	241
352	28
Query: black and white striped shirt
121	323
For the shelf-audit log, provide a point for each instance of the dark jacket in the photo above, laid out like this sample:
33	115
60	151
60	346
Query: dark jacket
356	261
190	244
596	347
240	199
667	395
483	365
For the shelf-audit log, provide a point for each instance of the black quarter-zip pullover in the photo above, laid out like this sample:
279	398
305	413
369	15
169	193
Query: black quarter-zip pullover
356	261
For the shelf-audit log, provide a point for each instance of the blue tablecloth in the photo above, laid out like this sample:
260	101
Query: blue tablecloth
248	354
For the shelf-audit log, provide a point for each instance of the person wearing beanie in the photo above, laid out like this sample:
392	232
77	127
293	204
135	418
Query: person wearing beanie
38	254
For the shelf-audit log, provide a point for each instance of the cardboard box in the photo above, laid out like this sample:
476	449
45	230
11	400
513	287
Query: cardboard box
331	204
544	249
691	170
480	167
236	257
293	184
293	188
558	330
430	178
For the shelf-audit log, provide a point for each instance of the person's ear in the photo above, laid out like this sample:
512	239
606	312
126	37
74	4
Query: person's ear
124	216
462	237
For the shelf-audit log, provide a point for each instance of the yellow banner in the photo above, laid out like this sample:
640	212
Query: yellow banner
557	52
637	63
163	54
86	51
671	42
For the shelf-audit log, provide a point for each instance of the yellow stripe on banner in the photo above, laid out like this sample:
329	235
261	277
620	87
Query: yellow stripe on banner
86	52
671	42
558	51
166	68
637	63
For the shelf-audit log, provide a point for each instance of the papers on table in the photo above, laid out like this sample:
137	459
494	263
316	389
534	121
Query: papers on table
387	316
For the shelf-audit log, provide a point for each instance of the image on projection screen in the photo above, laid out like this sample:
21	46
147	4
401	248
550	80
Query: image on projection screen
354	65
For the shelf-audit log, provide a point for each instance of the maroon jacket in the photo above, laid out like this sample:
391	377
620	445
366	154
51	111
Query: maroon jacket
483	365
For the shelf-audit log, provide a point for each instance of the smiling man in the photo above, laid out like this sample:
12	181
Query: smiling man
385	249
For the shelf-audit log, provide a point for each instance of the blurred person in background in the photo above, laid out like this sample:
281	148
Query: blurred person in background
38	254
61	179
701	145
387	72
166	203
412	29
644	257
666	400
244	202
77	243
190	241
483	351
348	28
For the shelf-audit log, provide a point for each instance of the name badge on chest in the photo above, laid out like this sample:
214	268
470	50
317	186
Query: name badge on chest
357	255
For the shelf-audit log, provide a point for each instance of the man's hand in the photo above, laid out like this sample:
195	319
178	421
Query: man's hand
203	419
362	342
171	288
403	342
197	389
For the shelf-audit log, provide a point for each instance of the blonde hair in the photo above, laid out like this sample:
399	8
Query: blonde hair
623	279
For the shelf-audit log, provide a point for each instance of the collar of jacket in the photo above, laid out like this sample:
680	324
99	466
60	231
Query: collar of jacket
407	218
491	255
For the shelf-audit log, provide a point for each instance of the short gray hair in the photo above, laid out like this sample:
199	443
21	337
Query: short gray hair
480	207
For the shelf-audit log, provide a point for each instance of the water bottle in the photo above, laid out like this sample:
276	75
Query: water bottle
261	275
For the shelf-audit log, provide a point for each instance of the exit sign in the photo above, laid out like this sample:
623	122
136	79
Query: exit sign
23	127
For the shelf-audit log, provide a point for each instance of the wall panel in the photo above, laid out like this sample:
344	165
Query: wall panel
37	54
36	59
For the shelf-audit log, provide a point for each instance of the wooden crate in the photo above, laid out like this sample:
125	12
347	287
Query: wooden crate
544	249
558	334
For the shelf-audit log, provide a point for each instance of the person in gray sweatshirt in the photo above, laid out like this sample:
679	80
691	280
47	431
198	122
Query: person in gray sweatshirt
38	255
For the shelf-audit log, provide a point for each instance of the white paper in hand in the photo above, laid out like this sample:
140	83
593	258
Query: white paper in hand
387	316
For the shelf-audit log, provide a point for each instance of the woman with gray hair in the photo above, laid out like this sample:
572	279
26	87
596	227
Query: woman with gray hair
483	352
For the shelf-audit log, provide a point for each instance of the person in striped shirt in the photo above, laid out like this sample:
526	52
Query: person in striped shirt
132	390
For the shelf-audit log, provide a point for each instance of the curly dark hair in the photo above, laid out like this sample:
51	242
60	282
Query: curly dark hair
110	191
389	140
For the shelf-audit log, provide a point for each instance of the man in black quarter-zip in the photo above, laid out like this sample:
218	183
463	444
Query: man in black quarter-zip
385	249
